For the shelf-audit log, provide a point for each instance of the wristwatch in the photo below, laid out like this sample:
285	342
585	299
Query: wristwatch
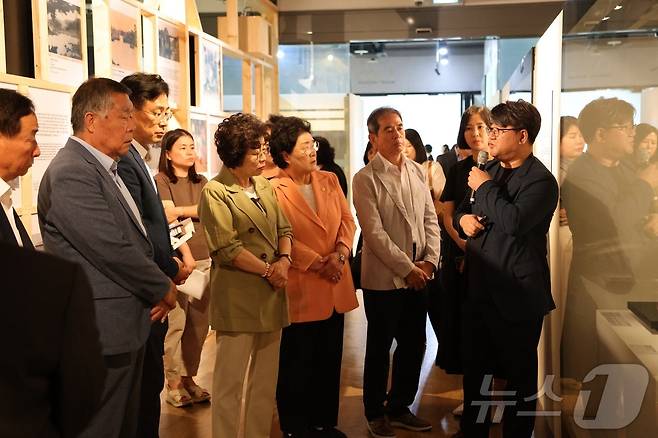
286	256
341	258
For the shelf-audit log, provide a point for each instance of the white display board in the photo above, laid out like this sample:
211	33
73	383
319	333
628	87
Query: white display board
65	43
53	110
170	57
209	68
199	130
124	33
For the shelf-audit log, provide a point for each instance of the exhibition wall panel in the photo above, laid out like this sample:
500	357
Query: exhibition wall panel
128	36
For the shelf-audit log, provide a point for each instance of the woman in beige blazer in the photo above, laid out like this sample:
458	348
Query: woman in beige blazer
320	288
249	240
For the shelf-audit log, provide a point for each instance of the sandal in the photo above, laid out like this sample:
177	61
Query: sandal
197	393
178	397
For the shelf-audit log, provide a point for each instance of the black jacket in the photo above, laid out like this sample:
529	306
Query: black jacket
506	264
7	234
52	373
447	160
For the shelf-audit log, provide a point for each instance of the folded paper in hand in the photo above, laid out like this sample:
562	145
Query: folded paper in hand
180	232
195	284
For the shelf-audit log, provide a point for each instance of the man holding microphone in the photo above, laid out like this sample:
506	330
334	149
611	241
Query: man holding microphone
508	280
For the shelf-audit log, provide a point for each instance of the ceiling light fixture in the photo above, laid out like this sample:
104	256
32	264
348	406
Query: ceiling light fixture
330	57
618	7
445	2
443	51
410	20
606	18
444	61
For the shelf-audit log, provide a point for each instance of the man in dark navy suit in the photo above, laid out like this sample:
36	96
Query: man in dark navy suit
508	280
149	95
18	148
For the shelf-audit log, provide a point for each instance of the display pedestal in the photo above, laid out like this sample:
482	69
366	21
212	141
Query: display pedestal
624	339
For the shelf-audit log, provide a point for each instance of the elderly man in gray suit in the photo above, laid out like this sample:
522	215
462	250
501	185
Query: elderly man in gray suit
87	215
400	254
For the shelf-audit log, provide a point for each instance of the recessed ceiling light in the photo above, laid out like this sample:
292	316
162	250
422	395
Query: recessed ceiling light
618	7
361	51
309	33
606	18
330	57
445	2
410	20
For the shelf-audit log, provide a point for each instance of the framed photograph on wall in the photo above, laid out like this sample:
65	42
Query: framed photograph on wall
125	35
199	130
171	62
214	163
61	24
209	71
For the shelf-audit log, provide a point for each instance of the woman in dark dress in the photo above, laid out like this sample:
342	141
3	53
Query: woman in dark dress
473	135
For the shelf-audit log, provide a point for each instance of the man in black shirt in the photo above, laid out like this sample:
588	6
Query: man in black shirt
508	280
613	221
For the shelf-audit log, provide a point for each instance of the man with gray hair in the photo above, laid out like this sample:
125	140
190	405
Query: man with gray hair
400	254
87	215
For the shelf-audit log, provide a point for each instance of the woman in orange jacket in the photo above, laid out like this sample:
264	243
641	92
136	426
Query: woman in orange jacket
320	288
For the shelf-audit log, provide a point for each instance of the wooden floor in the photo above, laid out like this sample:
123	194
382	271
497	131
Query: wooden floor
439	393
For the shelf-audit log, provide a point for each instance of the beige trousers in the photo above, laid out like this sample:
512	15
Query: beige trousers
188	328
251	359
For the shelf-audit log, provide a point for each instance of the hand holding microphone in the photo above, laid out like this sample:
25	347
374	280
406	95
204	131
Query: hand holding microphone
477	176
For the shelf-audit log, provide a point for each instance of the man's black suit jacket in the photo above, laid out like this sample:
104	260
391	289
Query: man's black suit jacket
7	234
52	371
506	263
447	160
134	174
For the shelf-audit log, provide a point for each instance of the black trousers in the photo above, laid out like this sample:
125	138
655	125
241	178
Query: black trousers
449	302
398	314
152	382
493	345
308	386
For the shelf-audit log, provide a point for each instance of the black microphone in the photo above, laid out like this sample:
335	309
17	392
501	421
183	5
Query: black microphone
483	157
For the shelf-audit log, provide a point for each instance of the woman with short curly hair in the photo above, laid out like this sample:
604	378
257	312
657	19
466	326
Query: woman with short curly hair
249	240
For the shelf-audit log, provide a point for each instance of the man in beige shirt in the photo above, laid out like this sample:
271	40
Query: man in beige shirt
400	254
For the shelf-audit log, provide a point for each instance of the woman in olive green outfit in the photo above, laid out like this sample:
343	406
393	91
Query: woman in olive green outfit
249	240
